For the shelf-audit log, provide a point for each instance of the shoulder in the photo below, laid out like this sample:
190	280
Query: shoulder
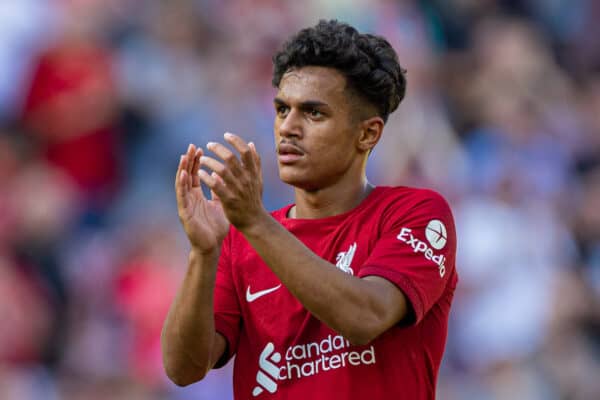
409	199
413	209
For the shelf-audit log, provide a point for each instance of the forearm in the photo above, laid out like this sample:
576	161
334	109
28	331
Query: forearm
188	335
349	305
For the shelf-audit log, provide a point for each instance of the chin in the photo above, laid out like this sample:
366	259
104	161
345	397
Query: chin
289	178
296	180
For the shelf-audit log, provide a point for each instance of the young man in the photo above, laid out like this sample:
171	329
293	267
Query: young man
344	294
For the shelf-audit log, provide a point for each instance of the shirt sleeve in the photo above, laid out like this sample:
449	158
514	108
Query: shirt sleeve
416	251
226	306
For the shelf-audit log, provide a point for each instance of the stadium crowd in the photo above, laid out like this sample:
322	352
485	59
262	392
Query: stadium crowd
98	98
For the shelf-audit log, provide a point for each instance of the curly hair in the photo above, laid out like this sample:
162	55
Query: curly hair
368	62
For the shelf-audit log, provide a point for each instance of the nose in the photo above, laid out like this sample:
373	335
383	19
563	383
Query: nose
291	125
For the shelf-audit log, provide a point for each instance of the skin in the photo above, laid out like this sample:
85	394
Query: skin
315	114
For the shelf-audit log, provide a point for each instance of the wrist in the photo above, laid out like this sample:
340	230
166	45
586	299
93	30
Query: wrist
198	252
257	226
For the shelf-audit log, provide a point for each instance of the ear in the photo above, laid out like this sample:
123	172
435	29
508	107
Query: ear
370	133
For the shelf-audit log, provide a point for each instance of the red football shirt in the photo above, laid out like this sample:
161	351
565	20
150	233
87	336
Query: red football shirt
404	235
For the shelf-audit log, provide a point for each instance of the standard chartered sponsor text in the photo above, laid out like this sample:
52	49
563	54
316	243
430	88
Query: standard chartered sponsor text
315	357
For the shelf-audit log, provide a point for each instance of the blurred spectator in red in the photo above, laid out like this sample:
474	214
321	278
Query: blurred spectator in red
24	313
144	289
71	105
36	207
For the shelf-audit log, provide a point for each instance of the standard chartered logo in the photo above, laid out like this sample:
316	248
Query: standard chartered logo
268	372
306	360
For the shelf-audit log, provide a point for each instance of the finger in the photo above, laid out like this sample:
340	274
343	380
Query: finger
184	167
219	169
178	172
190	156
226	155
255	155
181	188
196	167
215	183
241	146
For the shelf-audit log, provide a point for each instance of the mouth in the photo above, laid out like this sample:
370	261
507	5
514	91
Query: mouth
288	153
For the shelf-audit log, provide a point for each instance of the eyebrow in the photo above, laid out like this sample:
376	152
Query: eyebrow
303	105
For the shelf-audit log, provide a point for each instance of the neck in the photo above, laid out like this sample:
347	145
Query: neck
330	201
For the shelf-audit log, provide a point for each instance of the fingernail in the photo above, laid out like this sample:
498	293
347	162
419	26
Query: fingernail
190	147
251	144
210	144
181	158
228	135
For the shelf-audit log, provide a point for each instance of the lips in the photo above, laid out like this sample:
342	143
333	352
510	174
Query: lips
287	148
288	153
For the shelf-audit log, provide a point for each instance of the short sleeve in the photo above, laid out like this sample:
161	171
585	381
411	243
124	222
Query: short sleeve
416	250
226	306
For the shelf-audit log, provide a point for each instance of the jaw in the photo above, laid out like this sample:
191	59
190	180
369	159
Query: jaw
294	176
310	181
303	178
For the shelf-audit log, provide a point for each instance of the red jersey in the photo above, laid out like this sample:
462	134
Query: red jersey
404	235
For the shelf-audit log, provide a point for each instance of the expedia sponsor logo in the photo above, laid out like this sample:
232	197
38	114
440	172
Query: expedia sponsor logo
436	234
419	246
304	360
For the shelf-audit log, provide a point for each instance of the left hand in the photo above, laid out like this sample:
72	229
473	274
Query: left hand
236	181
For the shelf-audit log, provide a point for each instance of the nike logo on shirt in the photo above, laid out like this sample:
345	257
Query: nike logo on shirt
250	297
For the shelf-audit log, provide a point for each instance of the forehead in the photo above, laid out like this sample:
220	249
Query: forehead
312	83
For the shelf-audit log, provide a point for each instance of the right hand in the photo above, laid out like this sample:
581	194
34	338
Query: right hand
203	219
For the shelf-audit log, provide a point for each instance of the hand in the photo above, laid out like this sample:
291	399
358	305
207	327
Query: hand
237	181
203	220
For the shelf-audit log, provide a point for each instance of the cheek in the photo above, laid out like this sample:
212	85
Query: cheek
332	142
333	154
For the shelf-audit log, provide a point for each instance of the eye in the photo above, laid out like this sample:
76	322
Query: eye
314	113
281	110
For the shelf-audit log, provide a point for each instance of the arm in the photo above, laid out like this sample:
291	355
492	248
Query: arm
359	309
190	344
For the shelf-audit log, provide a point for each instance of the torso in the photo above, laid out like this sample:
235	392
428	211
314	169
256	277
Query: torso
285	352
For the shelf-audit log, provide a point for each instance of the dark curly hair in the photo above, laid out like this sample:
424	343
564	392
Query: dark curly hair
368	62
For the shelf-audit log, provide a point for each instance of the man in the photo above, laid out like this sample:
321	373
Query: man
344	294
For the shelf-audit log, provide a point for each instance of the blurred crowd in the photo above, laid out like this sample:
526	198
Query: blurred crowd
98	98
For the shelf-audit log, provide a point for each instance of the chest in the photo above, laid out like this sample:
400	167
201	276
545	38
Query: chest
269	309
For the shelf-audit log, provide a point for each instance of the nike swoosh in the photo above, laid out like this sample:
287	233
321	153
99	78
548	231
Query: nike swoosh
250	297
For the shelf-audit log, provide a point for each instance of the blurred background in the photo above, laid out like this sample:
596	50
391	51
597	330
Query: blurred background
98	98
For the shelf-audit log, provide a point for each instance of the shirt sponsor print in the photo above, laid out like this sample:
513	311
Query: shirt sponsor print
436	236
308	359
